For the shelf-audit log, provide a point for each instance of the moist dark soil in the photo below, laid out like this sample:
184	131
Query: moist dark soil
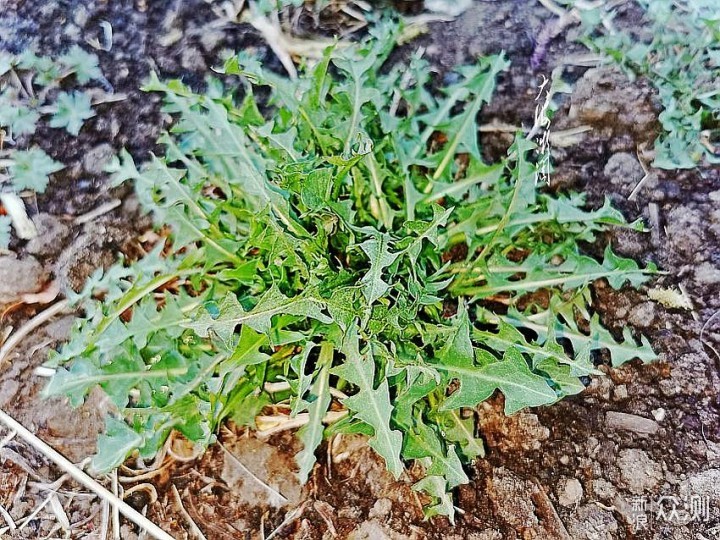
610	463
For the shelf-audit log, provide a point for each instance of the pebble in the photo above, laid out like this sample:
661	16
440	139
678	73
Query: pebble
638	471
381	508
97	159
570	492
620	392
643	315
18	277
631	422
51	236
707	274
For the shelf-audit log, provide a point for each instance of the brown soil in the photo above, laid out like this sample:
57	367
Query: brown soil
574	470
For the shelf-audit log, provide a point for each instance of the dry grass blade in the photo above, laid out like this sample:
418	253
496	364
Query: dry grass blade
37	321
194	529
8	518
82	478
97	212
275	38
269	425
291	516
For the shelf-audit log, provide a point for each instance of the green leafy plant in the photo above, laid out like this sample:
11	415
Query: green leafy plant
28	92
681	59
350	257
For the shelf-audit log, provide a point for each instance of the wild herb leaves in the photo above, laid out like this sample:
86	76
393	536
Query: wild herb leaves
370	405
679	57
324	250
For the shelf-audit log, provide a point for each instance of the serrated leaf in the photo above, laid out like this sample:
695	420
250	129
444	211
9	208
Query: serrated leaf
83	64
115	445
461	431
231	313
436	487
71	111
423	442
377	250
511	375
599	337
371	404
311	434
30	169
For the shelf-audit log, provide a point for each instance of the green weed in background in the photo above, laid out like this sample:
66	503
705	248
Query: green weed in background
351	247
681	58
29	92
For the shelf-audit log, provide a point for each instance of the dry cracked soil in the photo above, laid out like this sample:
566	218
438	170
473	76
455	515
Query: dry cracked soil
618	461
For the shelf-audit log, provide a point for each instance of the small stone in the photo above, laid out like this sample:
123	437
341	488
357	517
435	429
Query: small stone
381	508
631	422
570	492
51	234
659	414
564	460
591	522
623	168
620	392
603	489
707	274
18	277
643	315
638	471
96	159
704	485
192	60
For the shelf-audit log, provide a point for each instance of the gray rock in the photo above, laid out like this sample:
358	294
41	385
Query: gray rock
374	530
381	508
604	98
603	489
570	492
624	170
685	228
703	484
620	392
51	234
707	274
18	277
192	59
631	422
643	314
638	471
591	522
96	159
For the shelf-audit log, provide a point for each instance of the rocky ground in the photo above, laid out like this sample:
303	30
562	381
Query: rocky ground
637	455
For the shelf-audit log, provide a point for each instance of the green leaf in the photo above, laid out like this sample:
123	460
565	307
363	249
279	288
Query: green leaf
83	64
30	169
599	338
423	442
371	404
115	445
231	313
71	111
436	487
511	375
311	434
377	250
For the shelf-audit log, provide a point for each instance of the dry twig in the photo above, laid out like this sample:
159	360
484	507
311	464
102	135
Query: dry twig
82	478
